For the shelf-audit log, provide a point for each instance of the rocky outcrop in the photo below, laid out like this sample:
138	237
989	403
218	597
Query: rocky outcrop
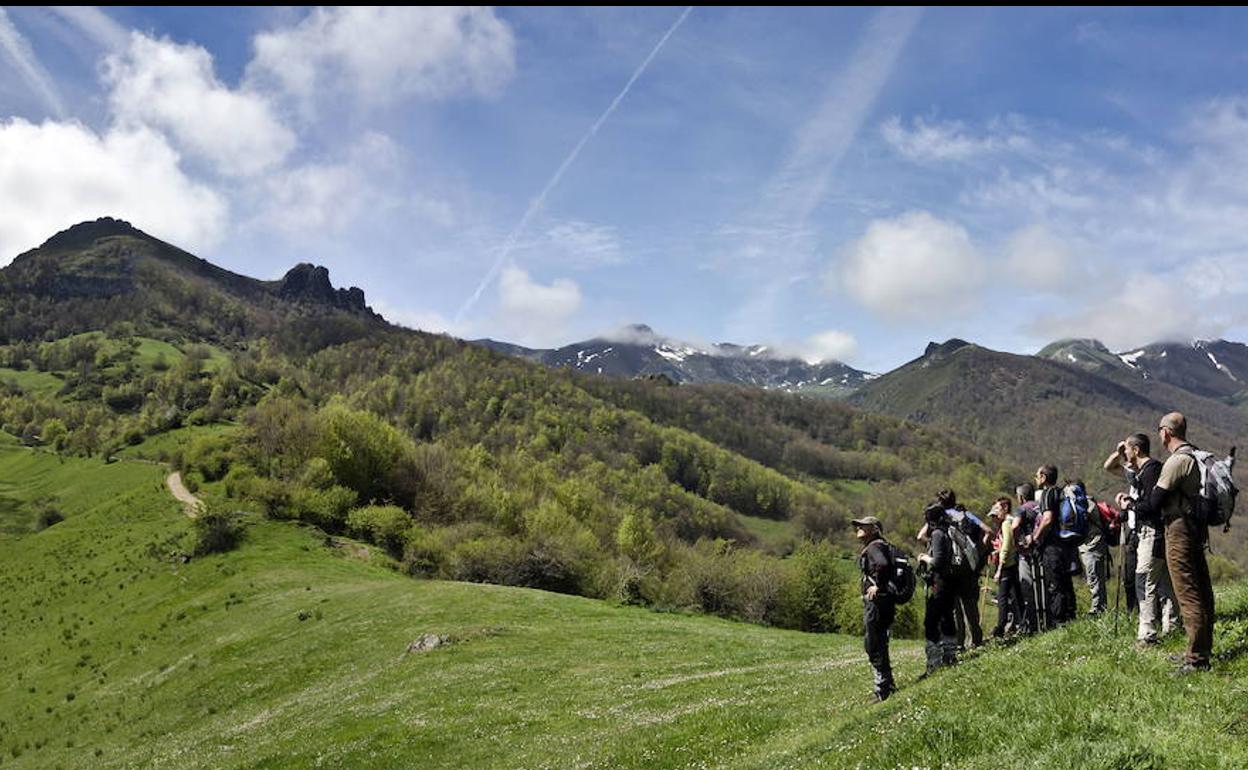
310	283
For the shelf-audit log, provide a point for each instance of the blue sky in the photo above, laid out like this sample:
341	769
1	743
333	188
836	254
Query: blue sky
845	183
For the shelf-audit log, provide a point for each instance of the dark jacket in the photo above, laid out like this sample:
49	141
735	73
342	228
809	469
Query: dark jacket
940	547
1143	482
875	561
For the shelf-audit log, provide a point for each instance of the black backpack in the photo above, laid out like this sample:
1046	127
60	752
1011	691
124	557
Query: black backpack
901	581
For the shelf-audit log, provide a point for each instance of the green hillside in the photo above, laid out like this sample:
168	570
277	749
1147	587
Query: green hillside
290	653
458	462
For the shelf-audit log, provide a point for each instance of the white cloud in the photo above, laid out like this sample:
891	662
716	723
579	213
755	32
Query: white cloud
53	175
172	87
1037	259
424	320
381	54
1145	242
950	140
1144	308
830	345
912	266
316	200
580	245
433	209
534	313
312	200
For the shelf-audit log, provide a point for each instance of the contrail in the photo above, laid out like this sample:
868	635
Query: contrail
540	200
19	52
95	24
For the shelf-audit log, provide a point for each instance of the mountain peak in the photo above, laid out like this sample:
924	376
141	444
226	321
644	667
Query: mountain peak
83	234
944	348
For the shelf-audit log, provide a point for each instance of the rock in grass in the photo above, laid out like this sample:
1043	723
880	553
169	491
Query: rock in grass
427	642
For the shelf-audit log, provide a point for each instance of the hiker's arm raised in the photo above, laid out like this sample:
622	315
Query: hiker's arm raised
1114	462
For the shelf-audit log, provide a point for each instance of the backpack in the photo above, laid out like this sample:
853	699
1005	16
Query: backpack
901	581
965	553
1073	522
1111	523
1029	513
970	527
1216	503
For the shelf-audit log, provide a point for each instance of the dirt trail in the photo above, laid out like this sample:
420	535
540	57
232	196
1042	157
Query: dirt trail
190	503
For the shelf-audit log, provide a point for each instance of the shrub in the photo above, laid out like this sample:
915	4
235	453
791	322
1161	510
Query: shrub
384	525
363	451
326	508
216	532
490	559
48	515
423	552
820	584
561	553
717	578
424	478
211	456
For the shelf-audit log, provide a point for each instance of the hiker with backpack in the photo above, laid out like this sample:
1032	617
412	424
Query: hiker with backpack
938	625
1026	513
1094	557
969	536
1011	611
887	580
1151	576
1055	552
1130	537
1192	491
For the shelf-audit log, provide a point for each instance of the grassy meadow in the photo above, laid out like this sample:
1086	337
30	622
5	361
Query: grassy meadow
292	652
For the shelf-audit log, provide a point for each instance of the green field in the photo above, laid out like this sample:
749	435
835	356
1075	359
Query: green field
773	535
161	446
32	382
291	653
29	477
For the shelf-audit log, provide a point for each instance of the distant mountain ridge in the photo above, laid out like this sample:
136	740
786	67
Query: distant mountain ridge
1210	368
637	351
1068	404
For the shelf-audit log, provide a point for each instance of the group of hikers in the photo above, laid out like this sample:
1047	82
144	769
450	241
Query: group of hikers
1038	540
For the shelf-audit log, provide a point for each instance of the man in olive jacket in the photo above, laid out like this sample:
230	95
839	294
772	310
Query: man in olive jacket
1172	500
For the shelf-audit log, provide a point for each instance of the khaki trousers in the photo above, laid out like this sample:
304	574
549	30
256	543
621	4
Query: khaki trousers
1189	575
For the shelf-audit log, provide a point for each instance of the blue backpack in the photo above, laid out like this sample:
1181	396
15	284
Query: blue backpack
1073	525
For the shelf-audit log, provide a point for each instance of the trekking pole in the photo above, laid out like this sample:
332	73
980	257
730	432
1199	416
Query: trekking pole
1117	593
1042	610
979	599
1035	592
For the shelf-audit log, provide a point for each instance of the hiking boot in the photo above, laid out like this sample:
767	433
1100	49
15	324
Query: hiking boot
1191	668
1176	658
882	696
931	669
